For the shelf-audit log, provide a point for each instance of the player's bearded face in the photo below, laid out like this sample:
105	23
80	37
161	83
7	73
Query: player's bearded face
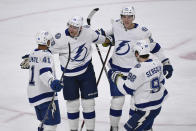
127	21
74	31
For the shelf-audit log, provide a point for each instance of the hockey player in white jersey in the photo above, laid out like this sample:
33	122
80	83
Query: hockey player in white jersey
145	82
42	82
125	32
79	79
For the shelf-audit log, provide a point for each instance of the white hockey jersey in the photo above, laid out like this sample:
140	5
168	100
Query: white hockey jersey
41	70
123	57
145	82
81	50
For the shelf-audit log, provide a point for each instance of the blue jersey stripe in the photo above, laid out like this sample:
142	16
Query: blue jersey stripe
118	67
76	69
40	97
152	103
128	90
46	69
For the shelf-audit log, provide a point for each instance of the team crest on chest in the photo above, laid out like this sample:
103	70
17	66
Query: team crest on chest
80	53
123	48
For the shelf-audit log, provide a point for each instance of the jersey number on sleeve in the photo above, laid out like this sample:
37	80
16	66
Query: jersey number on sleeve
32	82
131	77
155	85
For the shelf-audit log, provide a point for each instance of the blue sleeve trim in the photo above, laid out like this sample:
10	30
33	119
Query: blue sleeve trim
113	66
164	60
89	115
41	96
96	39
156	48
102	32
25	56
128	90
97	32
73	116
152	103
46	69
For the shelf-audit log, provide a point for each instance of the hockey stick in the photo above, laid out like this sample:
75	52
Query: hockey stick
69	57
61	82
97	47
91	15
46	115
89	23
104	65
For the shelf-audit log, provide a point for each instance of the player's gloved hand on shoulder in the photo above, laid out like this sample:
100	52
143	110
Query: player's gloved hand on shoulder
25	63
114	75
109	41
167	68
56	85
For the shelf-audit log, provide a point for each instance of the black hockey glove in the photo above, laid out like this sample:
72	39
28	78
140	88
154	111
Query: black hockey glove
167	68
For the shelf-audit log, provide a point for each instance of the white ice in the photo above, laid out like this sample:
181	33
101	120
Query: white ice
172	23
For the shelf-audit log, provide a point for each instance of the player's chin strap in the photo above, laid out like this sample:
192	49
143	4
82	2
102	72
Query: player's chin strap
52	105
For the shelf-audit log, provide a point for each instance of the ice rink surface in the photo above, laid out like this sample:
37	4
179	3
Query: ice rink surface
172	23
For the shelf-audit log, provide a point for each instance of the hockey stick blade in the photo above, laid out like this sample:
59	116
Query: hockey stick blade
91	15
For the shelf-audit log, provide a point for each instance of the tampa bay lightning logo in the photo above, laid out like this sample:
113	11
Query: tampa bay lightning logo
123	48
81	53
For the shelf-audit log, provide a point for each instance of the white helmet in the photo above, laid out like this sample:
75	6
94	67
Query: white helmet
43	37
142	47
128	11
76	21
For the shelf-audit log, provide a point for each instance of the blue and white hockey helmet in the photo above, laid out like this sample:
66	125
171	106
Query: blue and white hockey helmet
76	21
128	11
142	47
43	37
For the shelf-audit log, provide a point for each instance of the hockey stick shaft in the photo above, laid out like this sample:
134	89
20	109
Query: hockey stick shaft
69	57
89	23
104	65
61	81
97	47
46	115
